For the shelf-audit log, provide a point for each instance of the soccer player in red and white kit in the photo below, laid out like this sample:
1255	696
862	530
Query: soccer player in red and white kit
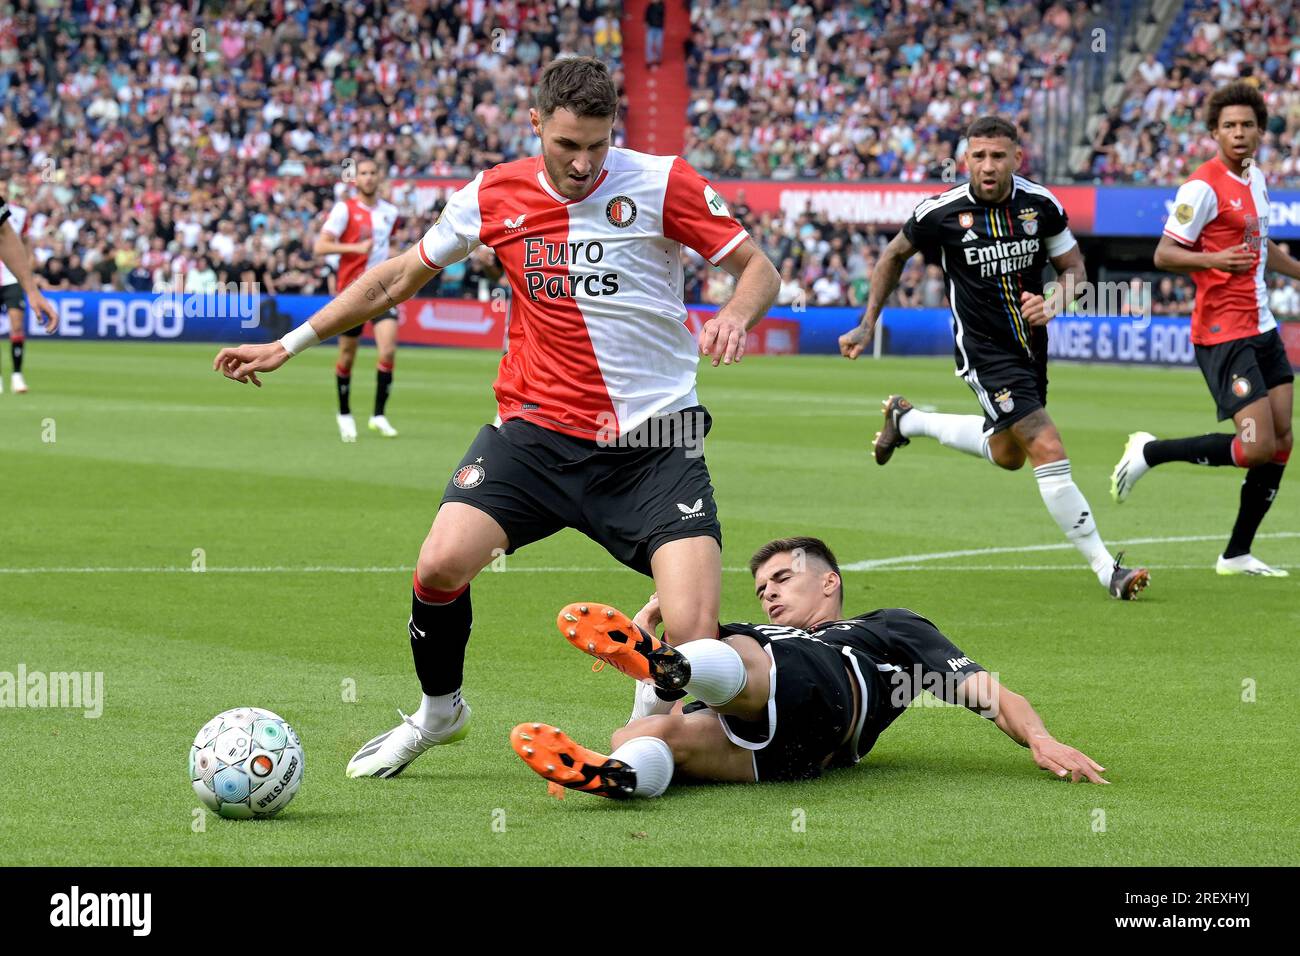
16	279
357	230
1218	232
601	425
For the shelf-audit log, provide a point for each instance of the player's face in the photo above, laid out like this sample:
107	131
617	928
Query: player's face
992	162
367	178
1237	133
573	148
797	590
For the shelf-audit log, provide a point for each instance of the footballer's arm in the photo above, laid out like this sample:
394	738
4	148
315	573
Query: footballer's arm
378	290
1173	256
1279	261
982	693
14	255
884	280
757	283
327	244
1071	275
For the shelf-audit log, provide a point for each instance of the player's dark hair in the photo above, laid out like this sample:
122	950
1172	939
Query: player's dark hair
814	546
580	84
1235	94
993	127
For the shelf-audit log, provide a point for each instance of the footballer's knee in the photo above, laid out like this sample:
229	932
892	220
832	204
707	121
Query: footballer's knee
443	568
697	623
387	358
667	727
1284	442
1012	459
1261	451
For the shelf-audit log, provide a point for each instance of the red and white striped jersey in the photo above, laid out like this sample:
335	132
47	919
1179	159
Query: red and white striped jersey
1214	210
18	220
598	339
353	221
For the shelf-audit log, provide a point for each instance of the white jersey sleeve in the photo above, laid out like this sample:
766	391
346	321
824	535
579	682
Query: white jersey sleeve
456	233
337	220
1195	205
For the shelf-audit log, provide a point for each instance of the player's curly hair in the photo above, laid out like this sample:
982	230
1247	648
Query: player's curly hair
580	84
1239	93
815	547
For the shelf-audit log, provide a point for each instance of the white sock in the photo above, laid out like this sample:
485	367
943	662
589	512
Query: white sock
436	714
647	703
652	759
1071	510
717	672
962	432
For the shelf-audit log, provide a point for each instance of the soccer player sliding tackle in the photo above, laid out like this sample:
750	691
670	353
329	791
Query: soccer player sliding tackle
1219	234
994	236
589	237
778	701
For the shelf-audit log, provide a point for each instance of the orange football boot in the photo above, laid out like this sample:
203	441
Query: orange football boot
554	755
609	635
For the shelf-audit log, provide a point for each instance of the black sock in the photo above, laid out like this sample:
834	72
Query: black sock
439	634
343	382
16	352
1257	493
383	382
1213	449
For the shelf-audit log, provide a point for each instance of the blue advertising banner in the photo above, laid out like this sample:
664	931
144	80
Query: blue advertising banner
1134	211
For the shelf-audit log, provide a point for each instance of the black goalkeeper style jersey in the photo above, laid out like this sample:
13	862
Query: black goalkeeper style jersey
895	654
990	253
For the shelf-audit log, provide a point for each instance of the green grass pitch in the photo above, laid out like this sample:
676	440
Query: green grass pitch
1188	696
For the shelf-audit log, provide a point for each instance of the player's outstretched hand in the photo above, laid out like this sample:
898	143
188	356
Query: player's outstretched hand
1236	258
854	342
1034	308
44	310
723	338
1065	761
243	362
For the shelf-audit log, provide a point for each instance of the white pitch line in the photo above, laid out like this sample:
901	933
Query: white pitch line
906	562
909	559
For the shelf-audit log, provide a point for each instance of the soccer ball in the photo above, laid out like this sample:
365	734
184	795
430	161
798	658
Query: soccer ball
246	763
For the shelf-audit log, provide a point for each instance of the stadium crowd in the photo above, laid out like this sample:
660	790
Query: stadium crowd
1156	134
153	146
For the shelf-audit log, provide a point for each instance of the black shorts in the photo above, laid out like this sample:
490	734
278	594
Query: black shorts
809	708
1009	386
630	500
11	296
356	332
1243	370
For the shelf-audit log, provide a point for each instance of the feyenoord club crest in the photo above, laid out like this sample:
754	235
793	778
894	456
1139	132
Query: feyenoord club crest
1029	219
620	211
1004	400
469	476
1240	386
966	219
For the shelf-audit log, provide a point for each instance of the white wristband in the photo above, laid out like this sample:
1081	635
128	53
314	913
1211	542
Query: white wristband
303	337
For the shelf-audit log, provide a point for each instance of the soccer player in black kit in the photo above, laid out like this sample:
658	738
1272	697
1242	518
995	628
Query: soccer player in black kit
993	236
785	700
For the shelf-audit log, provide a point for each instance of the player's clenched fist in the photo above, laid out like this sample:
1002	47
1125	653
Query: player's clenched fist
243	362
853	342
1034	309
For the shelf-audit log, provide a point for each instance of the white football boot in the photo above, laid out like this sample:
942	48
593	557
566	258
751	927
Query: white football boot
347	428
1132	466
389	754
1248	564
378	423
18	383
